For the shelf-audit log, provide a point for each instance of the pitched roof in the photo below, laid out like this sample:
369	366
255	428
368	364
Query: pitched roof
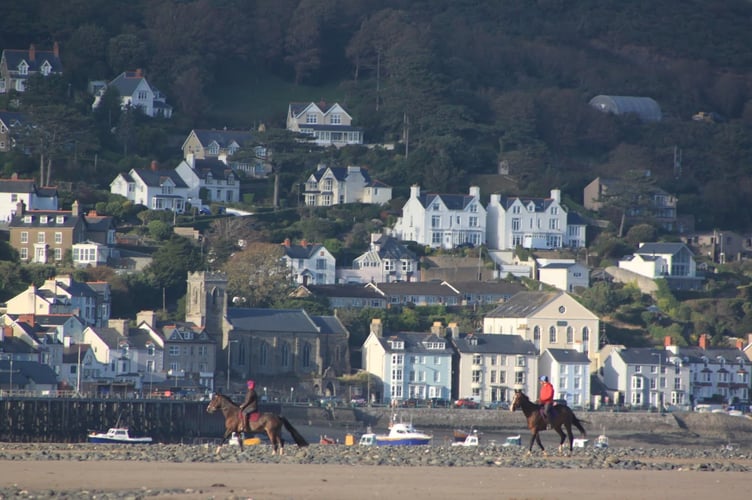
494	343
569	356
271	320
155	178
11	118
13	58
541	204
52	221
127	82
414	342
452	201
523	304
223	137
329	325
218	169
343	290
302	252
435	288
660	248
392	248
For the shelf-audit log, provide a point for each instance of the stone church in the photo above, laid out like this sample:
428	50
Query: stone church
288	352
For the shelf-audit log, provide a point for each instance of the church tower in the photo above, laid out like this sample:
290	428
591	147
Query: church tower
206	301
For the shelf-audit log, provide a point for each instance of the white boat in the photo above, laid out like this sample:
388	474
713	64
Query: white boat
402	434
513	441
601	442
580	442
470	440
117	435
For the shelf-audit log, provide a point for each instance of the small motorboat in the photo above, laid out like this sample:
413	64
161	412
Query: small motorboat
402	434
602	441
117	435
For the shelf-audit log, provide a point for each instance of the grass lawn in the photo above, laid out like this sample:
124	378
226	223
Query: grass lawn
243	100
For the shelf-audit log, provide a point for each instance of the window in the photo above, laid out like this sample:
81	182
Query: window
476	376
515	224
40	237
263	354
477	360
336	119
321	264
24	253
473	208
58	254
516	209
585	335
636	383
436	238
141	96
58	237
552	334
174	350
435	221
519	378
493	376
473	222
24	237
570	335
306	361
311	118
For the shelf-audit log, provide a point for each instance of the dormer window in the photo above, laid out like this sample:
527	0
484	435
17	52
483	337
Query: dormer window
43	219
27	219
397	344
473	208
213	148
46	69
23	68
59	219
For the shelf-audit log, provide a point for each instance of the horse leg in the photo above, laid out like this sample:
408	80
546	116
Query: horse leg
225	436
562	437
570	435
274	440
533	435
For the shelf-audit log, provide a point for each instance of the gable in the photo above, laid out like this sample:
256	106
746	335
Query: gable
564	306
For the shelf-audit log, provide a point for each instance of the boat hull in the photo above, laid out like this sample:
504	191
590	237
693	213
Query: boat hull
404	441
105	439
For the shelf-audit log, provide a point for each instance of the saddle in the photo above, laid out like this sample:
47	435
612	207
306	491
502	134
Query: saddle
542	412
253	417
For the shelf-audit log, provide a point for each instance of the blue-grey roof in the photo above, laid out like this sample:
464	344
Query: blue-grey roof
339	173
695	354
271	320
344	290
155	178
392	248
644	107
25	372
218	169
452	201
11	118
575	219
541	204
298	107
661	248
224	137
492	343
644	356
68	219
329	325
13	58
302	252
424	288
414	342
126	82
569	356
523	304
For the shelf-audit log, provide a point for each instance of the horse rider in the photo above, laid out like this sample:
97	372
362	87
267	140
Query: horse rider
249	406
546	397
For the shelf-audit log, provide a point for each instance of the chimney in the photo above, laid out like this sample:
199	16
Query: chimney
14	176
475	191
74	209
66	341
20	206
148	317
704	341
287	242
414	191
556	195
139	73
56	49
495	199
119	325
32	52
154	166
437	328
6	331
26	318
453	330
740	344
666	341
304	243
376	327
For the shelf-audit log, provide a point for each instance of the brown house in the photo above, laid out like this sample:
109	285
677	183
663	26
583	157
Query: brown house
43	236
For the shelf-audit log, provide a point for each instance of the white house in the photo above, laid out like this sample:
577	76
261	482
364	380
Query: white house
328	124
491	367
337	185
386	260
647	377
564	274
442	220
568	370
673	261
214	175
539	223
135	91
16	65
409	364
153	188
15	190
550	320
310	263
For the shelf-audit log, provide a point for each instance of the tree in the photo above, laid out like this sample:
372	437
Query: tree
258	276
630	196
170	266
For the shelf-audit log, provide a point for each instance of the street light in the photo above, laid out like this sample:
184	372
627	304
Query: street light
291	391
265	398
229	345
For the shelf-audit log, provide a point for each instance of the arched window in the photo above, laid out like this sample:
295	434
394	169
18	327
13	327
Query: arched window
585	336
536	334
285	354
306	355
552	334
570	335
263	353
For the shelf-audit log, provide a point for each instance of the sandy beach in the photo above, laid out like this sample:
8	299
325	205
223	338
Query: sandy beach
278	481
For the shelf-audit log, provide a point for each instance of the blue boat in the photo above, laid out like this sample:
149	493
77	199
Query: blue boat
401	434
117	435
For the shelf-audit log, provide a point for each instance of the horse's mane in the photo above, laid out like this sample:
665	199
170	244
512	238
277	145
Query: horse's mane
227	398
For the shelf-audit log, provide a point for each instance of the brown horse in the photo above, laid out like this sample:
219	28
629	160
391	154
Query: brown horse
267	422
562	416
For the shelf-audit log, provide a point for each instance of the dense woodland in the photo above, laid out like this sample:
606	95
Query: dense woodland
458	85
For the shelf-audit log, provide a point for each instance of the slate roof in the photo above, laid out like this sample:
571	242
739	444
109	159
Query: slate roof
329	325
343	290
490	343
523	304
217	168
575	219
11	118
559	265
70	353
541	204
569	356
298	107
339	173
109	336
414	342
126	82
13	58
271	320
68	221
25	372
392	248
156	178
223	137
644	356
696	353
488	287
23	186
16	345
302	252
660	248
452	201
435	288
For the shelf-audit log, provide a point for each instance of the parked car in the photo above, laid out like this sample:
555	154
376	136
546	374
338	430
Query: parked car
497	405
466	403
438	403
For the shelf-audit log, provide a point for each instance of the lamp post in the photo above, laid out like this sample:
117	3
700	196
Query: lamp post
229	345
265	398
292	389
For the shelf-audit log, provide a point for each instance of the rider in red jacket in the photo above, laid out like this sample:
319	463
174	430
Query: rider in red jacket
249	405
546	397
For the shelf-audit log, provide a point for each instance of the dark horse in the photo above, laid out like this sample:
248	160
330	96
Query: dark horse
267	422
562	416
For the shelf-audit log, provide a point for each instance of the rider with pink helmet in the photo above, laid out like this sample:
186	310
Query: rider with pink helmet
250	404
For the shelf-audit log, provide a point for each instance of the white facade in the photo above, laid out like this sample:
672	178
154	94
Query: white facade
564	275
90	253
310	264
442	221
385	261
337	185
14	190
328	124
154	189
220	182
539	223
660	260
136	92
568	370
549	320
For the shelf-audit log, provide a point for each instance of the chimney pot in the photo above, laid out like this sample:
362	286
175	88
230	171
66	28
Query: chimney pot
32	52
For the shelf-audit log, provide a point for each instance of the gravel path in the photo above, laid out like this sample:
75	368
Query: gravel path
337	471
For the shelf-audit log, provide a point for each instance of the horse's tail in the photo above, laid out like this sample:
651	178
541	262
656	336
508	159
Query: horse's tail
578	423
296	436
